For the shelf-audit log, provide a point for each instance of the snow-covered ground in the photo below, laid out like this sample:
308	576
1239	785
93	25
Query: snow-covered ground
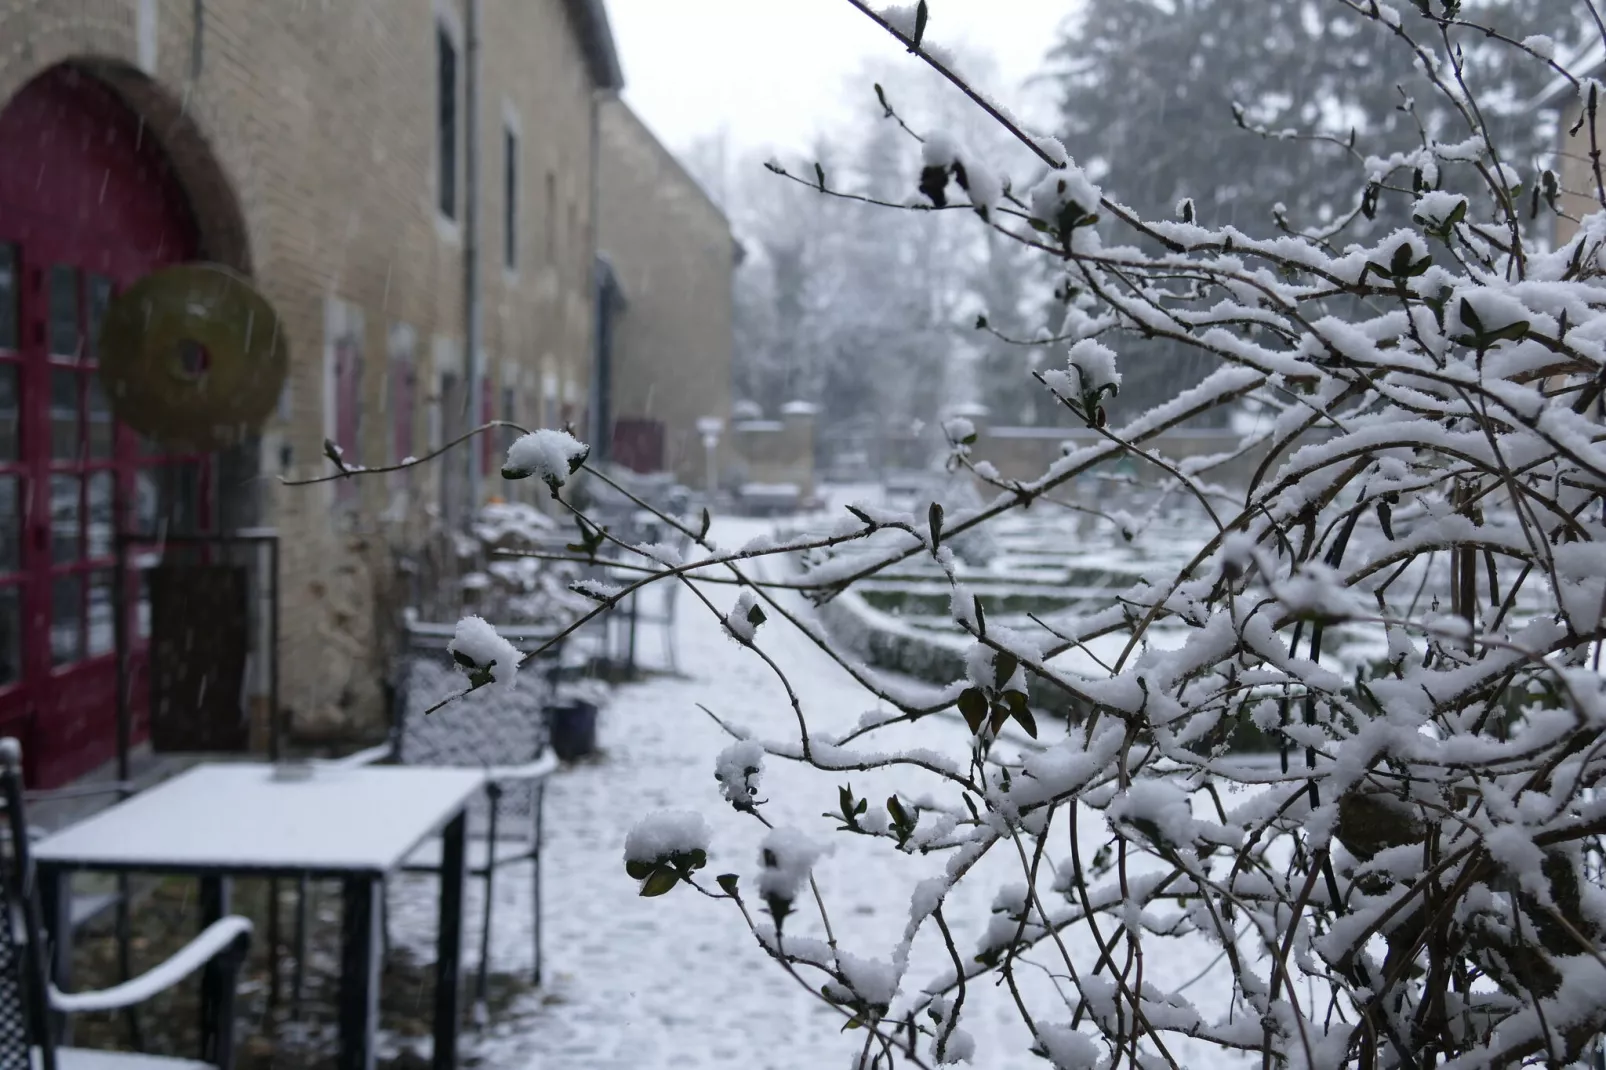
678	981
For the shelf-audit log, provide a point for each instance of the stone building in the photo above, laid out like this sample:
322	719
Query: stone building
323	150
665	272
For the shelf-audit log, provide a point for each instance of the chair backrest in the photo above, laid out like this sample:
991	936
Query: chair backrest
486	727
24	1014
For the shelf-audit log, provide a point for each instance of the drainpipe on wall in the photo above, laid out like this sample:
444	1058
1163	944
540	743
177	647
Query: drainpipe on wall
471	247
599	408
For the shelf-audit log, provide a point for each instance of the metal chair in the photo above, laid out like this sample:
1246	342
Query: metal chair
32	1010
503	733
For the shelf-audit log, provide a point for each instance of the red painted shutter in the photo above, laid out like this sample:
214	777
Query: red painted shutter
403	387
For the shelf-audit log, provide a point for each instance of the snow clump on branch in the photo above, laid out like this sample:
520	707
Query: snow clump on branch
552	455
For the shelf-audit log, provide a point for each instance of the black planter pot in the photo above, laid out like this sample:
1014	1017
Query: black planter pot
573	727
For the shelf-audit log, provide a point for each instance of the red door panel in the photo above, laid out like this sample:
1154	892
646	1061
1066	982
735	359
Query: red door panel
88	204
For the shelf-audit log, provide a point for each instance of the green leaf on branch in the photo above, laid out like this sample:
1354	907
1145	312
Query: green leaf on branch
934	520
1005	665
819	176
973	707
640	870
727	883
481	677
849	810
659	882
903	821
1022	713
591	539
755	615
708	521
921	15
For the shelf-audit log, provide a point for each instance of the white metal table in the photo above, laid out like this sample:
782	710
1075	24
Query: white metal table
353	824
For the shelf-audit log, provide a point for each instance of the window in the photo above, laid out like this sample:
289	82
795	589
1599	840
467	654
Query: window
488	441
551	218
510	414
453	409
549	402
446	122
343	375
510	199
403	390
571	241
348	408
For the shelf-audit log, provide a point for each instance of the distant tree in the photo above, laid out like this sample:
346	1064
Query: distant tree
1253	111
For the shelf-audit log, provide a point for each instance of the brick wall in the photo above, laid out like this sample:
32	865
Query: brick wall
672	252
306	136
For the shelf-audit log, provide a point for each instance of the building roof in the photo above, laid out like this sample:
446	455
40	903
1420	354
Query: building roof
1586	64
596	38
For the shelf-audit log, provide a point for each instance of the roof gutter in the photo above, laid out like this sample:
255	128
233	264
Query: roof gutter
596	39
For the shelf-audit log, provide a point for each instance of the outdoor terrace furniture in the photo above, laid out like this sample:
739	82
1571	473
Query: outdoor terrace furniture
33	1027
653	605
504	735
356	825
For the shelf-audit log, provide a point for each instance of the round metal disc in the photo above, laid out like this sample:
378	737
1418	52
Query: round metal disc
193	357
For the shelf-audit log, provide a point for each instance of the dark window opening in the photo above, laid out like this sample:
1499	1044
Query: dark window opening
446	121
551	217
510	200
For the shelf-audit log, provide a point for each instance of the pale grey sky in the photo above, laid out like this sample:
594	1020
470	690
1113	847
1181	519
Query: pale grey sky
774	72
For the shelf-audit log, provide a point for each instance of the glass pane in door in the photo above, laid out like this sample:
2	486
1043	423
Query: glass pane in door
100	296
99	414
63	312
66	620
65	444
9	410
102	621
10	523
102	514
8	296
10	635
66	519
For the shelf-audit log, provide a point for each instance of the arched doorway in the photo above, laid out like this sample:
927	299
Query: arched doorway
88	204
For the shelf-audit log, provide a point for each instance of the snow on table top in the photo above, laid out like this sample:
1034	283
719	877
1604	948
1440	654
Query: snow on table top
238	815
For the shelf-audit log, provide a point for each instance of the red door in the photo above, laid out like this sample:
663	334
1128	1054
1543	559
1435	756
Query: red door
88	204
639	444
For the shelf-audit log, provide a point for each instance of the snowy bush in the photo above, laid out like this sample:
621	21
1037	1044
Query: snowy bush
1412	881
